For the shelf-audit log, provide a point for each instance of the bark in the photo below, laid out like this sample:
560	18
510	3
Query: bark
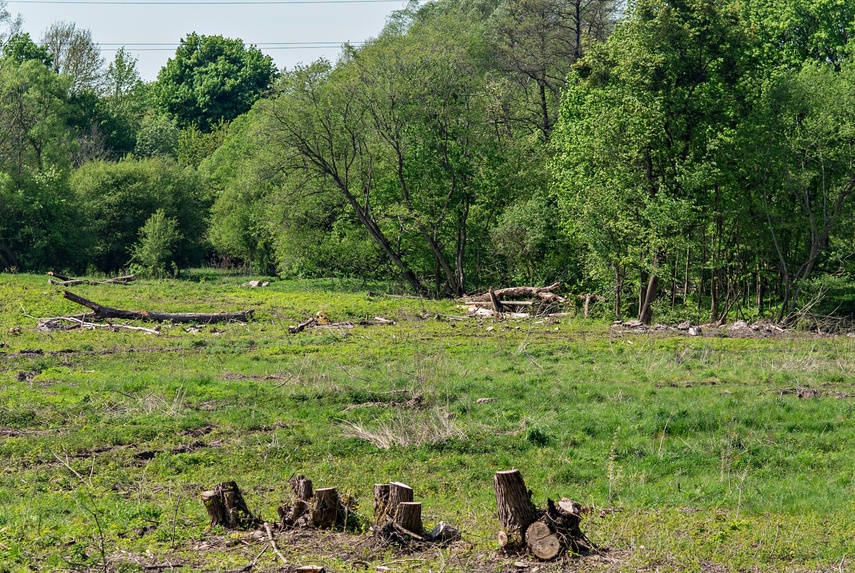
516	510
327	510
381	503
100	312
409	516
226	507
646	313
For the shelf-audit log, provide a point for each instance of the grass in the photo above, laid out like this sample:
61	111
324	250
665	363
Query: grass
695	454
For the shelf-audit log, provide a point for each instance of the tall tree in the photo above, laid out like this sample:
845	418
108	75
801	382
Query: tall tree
212	79
536	42
643	134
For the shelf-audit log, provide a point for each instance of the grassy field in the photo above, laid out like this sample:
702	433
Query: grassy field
705	453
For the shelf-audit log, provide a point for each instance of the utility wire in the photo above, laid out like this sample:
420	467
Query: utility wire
200	2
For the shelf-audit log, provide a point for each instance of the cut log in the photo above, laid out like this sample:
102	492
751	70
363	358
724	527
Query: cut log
100	311
542	542
326	509
381	504
67	281
226	507
408	515
516	510
545	294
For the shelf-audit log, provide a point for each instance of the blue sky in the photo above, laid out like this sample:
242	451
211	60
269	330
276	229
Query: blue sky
167	21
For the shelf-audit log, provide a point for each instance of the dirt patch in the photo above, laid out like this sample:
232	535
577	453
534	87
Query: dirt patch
348	552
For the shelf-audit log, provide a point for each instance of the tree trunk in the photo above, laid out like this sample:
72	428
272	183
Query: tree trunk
107	312
408	515
516	510
646	313
326	509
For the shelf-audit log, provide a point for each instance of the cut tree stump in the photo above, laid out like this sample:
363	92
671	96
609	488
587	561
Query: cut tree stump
409	516
381	504
301	495
99	311
326	509
301	488
226	507
516	510
542	541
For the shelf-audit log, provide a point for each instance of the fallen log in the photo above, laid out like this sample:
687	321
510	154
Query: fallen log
62	280
544	294
102	312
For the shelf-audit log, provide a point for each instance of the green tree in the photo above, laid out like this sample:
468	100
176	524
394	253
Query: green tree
119	198
212	79
643	140
155	253
20	47
157	136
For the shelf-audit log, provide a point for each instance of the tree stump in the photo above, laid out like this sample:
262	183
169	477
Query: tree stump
326	509
301	488
409	516
381	504
226	507
516	510
542	541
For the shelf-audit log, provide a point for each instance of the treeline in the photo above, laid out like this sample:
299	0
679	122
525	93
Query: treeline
693	156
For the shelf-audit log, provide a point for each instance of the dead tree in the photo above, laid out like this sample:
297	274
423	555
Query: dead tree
101	312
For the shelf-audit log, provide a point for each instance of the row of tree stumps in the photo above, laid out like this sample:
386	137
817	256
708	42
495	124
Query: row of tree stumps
545	533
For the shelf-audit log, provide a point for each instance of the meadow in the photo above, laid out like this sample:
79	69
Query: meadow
708	453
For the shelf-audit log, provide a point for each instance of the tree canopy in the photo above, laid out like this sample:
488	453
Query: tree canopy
212	79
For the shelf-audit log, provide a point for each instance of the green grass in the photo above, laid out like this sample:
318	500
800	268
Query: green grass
698	449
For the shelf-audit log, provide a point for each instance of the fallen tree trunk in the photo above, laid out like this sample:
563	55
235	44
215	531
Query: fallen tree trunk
62	280
545	294
101	312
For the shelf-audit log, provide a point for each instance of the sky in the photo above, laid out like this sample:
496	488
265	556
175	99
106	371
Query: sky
290	31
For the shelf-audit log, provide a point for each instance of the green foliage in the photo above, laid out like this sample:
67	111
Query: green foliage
678	444
212	79
20	48
155	253
157	137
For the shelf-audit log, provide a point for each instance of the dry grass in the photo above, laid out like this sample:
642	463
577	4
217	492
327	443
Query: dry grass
407	428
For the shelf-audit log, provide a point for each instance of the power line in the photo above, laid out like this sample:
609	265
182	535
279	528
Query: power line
200	2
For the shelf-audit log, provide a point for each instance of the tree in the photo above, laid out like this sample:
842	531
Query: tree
21	48
118	199
155	252
10	25
122	78
33	114
536	42
75	55
212	79
643	139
